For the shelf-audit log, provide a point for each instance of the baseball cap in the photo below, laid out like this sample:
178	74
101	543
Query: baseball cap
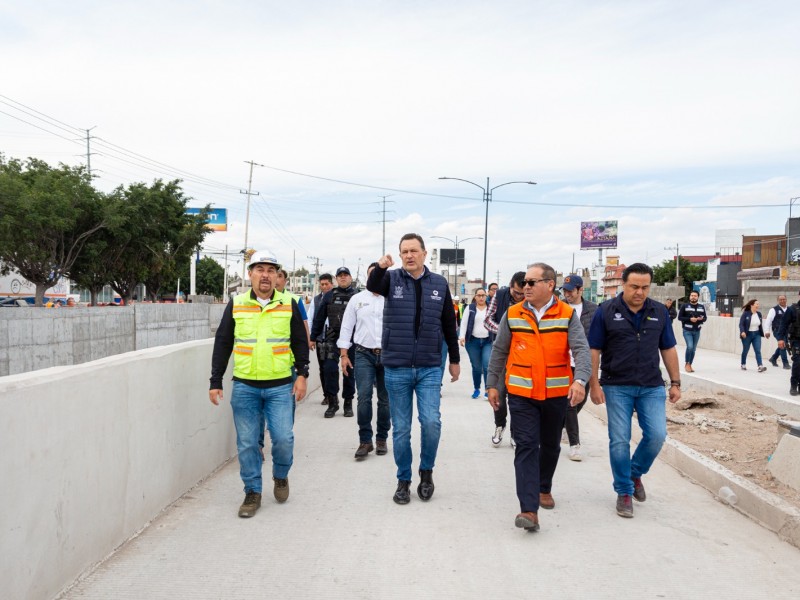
342	271
572	282
263	257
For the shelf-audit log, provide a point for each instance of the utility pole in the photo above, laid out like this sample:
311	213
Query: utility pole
498	277
316	272
89	152
249	193
384	222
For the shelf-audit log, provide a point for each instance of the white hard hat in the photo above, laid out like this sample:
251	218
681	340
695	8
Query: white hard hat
263	257
456	298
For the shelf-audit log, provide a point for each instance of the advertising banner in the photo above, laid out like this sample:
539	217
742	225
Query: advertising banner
598	234
217	218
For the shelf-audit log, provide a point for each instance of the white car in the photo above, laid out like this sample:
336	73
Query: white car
795	255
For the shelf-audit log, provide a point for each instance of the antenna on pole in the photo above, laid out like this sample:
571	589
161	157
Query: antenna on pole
249	193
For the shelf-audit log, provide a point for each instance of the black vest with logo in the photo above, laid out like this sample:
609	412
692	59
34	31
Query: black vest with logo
336	307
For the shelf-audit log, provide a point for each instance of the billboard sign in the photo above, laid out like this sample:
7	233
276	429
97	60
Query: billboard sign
598	234
447	256
217	218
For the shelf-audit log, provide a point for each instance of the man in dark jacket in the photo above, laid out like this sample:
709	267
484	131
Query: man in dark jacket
573	295
418	314
325	286
789	336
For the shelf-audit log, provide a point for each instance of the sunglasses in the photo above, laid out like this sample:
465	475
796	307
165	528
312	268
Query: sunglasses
533	282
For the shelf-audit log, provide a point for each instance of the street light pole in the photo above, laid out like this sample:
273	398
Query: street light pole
789	227
487	197
455	244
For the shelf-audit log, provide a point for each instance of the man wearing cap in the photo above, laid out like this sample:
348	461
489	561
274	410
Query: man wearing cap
418	314
264	330
584	310
332	308
363	324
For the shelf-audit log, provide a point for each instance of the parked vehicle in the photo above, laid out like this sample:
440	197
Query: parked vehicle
13	302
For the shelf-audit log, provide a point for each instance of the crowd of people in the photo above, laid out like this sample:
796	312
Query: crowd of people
536	356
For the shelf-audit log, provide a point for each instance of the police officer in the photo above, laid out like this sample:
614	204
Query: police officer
772	324
789	334
264	330
332	307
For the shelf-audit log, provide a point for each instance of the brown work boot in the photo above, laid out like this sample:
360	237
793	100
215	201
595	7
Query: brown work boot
638	490
529	521
380	447
252	502
281	489
625	506
546	500
363	450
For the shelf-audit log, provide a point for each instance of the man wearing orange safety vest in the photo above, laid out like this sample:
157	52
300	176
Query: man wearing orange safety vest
533	343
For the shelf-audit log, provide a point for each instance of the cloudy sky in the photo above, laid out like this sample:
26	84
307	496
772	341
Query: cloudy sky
675	118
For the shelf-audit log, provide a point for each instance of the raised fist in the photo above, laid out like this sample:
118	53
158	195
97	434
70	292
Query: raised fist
385	261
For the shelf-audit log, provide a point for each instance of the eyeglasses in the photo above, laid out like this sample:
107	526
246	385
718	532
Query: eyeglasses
533	282
480	295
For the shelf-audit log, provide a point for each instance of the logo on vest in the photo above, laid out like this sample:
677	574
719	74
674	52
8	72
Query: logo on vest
398	291
436	296
652	318
618	317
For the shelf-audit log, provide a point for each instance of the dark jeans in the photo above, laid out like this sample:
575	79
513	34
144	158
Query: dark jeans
331	383
321	363
501	414
692	338
780	352
536	428
752	338
795	378
571	422
369	373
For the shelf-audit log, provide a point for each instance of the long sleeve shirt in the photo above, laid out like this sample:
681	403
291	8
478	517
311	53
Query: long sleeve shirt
364	314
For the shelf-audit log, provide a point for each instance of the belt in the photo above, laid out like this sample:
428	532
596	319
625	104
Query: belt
365	349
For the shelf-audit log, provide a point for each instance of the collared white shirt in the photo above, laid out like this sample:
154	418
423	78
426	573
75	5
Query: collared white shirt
478	330
364	313
539	313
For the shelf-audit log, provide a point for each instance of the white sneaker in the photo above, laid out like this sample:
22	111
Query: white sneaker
498	436
564	438
512	442
575	453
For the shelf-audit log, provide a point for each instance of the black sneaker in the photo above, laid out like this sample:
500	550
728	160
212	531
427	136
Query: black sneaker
425	487
402	495
794	391
774	362
625	506
252	502
638	490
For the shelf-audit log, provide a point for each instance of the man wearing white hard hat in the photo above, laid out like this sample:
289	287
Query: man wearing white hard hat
264	330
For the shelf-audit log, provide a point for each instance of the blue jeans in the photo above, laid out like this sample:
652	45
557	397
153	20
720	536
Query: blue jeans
445	352
781	353
251	406
479	351
370	373
402	383
752	338
691	338
650	406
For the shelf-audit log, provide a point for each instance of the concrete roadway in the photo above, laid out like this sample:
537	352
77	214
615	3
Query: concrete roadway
341	536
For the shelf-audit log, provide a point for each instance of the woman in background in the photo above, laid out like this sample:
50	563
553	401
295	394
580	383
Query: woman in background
751	331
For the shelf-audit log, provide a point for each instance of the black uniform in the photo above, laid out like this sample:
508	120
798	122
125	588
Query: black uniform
332	307
790	332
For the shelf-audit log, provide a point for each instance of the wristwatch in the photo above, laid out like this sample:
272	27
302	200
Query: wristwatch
675	383
303	373
581	381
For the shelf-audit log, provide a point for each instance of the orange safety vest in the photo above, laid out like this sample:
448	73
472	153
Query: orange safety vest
538	356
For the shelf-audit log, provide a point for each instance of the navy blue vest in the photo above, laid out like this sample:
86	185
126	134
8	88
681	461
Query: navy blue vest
777	321
632	357
401	346
471	311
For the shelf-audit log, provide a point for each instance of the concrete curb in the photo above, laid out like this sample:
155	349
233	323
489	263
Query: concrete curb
710	386
763	507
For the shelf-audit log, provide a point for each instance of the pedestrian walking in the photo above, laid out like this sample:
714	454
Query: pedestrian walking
627	334
692	315
477	340
533	346
418	314
772	325
264	330
788	335
751	330
325	286
363	324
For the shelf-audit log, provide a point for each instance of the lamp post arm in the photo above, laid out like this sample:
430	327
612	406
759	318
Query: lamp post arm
466	181
509	183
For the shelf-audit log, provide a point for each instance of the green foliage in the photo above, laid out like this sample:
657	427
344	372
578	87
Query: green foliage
208	278
665	273
47	216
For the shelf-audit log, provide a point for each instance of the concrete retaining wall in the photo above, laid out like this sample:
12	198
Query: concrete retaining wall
37	338
89	454
722	334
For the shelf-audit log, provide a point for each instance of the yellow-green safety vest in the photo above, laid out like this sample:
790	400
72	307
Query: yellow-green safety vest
262	337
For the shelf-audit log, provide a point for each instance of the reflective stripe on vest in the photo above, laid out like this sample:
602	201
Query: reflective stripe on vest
538	365
262	349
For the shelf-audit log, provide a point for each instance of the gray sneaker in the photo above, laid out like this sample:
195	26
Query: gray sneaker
498	435
252	502
281	489
625	506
